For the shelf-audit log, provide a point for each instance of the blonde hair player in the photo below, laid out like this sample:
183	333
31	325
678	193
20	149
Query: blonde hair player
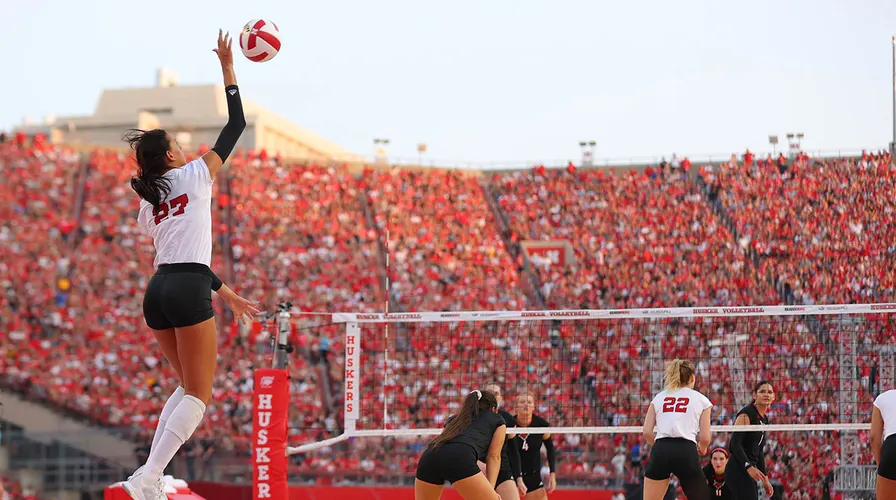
677	428
883	442
530	450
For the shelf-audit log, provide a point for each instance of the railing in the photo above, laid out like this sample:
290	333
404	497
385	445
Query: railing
622	161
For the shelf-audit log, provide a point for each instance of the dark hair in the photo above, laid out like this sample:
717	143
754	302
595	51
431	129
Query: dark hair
150	147
760	384
476	402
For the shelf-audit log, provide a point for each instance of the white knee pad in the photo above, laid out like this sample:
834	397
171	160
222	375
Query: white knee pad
186	417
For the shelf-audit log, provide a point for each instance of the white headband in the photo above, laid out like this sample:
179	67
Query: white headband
478	394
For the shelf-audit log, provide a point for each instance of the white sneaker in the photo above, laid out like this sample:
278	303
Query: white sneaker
134	486
155	491
137	473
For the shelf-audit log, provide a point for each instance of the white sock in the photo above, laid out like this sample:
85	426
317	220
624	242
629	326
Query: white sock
167	410
180	426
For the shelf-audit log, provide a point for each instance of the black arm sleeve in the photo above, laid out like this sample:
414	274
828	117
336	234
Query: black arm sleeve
236	123
513	453
552	455
737	450
216	282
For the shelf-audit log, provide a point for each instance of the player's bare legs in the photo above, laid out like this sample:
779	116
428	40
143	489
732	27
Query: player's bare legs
655	490
476	488
427	491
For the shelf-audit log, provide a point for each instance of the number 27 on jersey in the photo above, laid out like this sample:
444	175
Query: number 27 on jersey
161	212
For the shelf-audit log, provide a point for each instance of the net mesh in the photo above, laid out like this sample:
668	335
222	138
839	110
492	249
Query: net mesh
594	372
603	372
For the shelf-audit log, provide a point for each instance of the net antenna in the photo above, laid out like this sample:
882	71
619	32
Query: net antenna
753	325
386	334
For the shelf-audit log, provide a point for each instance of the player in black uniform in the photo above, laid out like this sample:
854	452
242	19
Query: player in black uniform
530	450
509	484
476	432
715	475
747	464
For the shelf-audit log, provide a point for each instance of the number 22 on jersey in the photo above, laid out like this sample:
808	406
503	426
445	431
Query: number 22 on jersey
675	405
162	211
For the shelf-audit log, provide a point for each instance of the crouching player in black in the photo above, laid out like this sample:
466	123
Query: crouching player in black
476	432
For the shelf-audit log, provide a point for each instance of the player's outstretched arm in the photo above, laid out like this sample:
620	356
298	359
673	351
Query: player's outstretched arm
236	121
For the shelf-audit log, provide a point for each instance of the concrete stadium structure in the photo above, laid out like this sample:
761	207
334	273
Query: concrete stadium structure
192	113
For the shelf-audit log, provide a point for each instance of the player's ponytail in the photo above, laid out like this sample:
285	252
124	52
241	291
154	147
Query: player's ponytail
151	150
475	403
678	373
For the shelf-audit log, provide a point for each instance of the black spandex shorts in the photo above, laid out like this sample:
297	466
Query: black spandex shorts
178	295
533	481
503	475
887	467
678	456
450	462
742	485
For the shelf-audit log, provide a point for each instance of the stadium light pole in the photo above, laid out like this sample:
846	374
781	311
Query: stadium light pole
381	154
773	140
587	154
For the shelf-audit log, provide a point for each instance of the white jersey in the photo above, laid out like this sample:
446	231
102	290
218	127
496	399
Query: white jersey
181	228
678	413
886	403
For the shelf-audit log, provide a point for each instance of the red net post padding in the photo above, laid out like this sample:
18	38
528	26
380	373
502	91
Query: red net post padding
269	427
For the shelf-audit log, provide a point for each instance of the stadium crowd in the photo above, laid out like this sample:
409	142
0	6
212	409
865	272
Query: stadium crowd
743	232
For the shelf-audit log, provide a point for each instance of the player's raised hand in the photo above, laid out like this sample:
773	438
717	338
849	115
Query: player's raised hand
225	53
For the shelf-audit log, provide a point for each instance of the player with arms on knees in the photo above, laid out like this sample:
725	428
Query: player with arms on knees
509	484
530	449
475	432
883	442
747	464
175	209
677	427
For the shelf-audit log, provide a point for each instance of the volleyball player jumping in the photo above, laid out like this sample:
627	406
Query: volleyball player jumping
747	464
175	209
509	484
530	450
476	432
677	426
883	442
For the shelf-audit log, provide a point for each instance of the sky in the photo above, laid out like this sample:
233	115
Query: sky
490	81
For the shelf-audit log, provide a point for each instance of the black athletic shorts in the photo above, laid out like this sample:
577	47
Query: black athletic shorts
742	485
887	467
178	295
450	462
678	456
533	481
503	475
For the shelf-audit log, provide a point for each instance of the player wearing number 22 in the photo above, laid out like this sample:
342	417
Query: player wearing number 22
677	427
175	209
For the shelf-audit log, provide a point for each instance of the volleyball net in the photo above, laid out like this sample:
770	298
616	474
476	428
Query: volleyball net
593	372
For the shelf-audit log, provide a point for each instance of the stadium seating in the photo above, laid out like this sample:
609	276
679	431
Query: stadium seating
740	233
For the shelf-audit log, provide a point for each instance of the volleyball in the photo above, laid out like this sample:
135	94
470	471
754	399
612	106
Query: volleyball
260	40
